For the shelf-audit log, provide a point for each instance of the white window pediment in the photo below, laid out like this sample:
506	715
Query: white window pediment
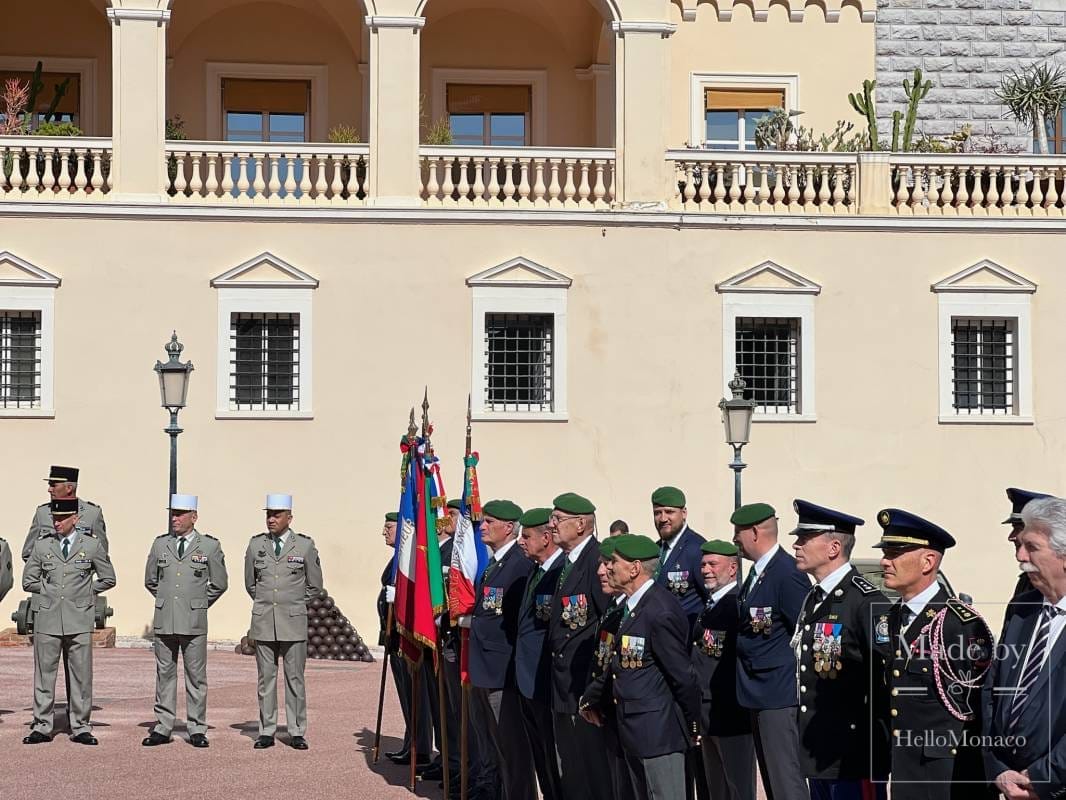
985	276
27	292
769	278
15	271
520	272
265	271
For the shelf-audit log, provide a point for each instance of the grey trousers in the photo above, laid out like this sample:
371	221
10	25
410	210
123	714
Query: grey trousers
621	780
401	677
501	734
776	735
77	649
659	778
582	758
537	722
193	651
294	655
729	764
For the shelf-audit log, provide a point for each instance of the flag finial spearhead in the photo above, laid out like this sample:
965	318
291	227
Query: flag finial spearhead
469	415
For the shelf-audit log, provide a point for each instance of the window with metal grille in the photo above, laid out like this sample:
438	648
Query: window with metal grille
519	361
20	359
768	359
264	362
983	365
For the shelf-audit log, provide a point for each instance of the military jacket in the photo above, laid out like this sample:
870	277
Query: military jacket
532	661
680	573
7	572
928	741
598	692
494	622
67	586
281	586
90	516
842	645
714	657
184	588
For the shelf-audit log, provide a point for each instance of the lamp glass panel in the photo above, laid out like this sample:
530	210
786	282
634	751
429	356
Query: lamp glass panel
175	384
738	424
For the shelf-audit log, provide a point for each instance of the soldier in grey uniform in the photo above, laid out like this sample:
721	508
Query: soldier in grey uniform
68	568
281	573
7	574
186	574
63	485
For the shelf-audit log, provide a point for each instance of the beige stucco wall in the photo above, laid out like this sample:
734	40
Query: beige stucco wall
62	29
645	375
830	58
263	33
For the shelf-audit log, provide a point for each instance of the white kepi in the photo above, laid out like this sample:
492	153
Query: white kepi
278	502
183	502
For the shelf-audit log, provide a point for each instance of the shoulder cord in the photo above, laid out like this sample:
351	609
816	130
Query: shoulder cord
942	667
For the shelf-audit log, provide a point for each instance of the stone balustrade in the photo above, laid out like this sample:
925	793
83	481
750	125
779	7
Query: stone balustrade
36	168
1022	185
522	177
274	174
765	182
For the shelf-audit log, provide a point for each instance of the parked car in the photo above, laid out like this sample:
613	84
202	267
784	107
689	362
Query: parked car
870	568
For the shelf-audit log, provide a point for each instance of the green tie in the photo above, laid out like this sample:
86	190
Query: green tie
181	547
625	612
569	565
534	579
277	547
663	547
66	548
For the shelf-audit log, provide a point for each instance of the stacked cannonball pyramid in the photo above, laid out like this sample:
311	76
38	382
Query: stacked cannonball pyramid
329	634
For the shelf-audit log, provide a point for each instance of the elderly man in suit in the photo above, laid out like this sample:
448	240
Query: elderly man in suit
1025	702
769	604
728	749
679	551
186	574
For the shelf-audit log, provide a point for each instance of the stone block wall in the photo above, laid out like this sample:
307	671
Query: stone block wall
964	47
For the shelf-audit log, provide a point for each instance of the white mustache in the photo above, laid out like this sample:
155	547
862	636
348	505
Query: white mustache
1027	567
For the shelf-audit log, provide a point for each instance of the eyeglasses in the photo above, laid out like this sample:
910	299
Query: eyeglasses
555	519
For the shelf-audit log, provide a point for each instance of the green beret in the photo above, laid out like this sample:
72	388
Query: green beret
607	547
456	504
752	514
719	548
392	516
573	504
633	547
668	496
535	517
502	509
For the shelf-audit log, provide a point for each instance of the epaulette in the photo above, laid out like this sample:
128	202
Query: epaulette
91	503
961	610
208	536
162	536
45	505
303	535
863	585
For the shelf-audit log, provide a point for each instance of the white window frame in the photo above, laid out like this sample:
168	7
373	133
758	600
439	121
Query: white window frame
84	67
699	82
493	292
536	79
794	299
293	296
958	296
34	292
318	75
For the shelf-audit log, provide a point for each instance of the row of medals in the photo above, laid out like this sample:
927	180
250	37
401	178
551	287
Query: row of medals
827	649
575	616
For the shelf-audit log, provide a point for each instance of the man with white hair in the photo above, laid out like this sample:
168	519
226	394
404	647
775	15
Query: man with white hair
1025	717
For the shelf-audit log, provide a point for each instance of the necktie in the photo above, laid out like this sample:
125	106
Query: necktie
747	585
534	579
569	565
625	612
816	596
181	547
66	548
663	548
906	617
1033	663
277	547
493	563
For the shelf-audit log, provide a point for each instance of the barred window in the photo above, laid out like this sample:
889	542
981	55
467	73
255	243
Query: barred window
768	359
519	359
20	359
264	362
983	365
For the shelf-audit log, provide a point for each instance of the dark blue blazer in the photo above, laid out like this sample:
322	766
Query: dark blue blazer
714	657
1043	720
532	659
657	699
766	663
494	623
680	574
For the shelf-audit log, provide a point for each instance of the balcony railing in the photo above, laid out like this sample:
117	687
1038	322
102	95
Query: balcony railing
267	174
36	168
522	177
966	184
764	182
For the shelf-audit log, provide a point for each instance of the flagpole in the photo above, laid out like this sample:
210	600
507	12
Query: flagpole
464	722
415	670
381	689
442	704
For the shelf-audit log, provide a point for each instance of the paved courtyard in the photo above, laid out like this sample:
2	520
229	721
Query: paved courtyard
342	700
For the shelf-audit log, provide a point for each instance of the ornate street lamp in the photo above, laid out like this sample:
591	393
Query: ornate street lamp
736	417
173	390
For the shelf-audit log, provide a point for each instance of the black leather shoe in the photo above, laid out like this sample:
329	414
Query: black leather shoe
399	756
36	737
85	738
423	761
298	743
199	740
155	739
263	742
433	772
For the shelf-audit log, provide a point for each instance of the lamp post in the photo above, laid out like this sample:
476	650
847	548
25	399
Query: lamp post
736	417
173	389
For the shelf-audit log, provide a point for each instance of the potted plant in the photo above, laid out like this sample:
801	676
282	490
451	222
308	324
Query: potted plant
1033	97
